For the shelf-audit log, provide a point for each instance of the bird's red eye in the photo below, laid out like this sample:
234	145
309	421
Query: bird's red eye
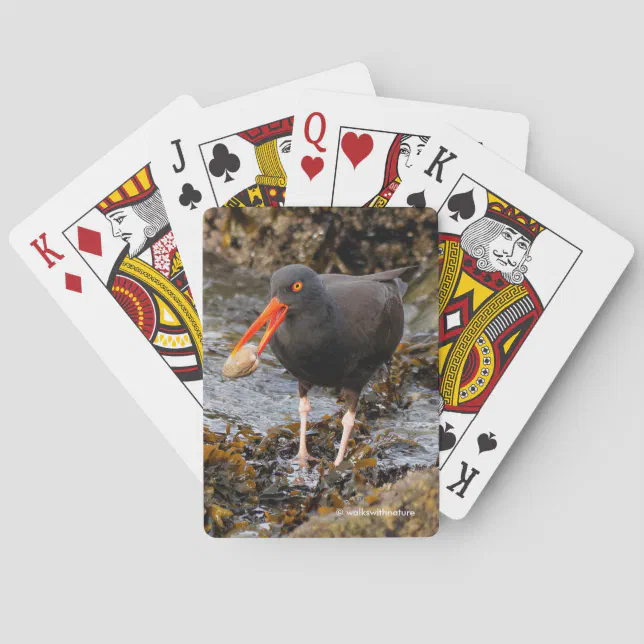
297	286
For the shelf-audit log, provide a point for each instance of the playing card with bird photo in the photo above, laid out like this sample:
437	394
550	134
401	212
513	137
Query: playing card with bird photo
356	150
236	154
321	401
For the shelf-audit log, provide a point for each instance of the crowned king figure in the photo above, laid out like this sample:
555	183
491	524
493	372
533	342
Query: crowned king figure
487	306
148	279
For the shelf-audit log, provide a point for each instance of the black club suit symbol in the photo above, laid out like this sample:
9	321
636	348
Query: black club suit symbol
189	196
223	162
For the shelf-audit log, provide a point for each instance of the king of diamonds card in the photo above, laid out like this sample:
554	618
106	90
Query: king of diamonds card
127	242
104	248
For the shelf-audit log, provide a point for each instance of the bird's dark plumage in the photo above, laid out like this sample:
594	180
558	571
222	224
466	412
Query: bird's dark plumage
332	330
339	328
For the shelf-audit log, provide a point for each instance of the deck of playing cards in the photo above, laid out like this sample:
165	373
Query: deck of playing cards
339	309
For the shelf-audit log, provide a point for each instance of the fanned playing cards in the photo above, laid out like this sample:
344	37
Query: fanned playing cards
337	308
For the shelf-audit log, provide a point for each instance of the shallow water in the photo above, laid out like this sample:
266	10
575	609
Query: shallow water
268	399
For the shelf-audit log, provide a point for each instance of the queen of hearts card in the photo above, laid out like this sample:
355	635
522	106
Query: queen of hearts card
401	157
371	164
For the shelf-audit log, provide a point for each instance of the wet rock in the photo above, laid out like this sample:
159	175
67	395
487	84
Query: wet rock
408	509
242	364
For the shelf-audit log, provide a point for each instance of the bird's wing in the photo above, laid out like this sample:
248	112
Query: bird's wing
331	279
385	276
373	321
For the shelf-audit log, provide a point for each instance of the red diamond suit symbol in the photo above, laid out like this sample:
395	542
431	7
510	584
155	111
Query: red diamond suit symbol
73	283
89	241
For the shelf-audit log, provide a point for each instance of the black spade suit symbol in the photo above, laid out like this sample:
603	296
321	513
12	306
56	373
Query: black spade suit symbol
223	162
462	205
189	196
486	442
417	199
446	440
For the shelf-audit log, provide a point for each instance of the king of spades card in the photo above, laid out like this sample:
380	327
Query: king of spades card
487	304
499	269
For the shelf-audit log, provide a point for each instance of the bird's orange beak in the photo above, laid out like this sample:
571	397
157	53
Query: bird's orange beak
274	314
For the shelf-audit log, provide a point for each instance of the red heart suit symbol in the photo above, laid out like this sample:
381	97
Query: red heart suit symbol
312	166
357	148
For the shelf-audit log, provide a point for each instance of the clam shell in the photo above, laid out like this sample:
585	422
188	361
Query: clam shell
242	364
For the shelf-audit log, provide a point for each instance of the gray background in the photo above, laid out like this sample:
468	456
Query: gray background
101	537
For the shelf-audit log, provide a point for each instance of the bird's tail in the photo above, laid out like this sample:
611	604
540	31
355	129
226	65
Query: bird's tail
402	286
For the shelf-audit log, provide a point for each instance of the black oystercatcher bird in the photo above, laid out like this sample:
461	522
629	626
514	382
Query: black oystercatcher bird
332	331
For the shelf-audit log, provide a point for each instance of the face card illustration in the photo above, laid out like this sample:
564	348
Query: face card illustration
500	268
374	183
523	272
350	150
236	154
105	250
253	160
127	242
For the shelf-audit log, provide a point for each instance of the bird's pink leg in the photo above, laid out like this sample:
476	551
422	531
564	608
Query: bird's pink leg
348	421
303	456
